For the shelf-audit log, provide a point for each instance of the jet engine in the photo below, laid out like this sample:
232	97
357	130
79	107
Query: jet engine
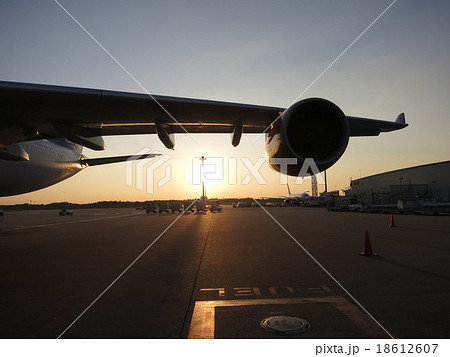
312	128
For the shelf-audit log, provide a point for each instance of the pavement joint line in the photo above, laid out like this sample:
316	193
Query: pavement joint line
196	277
126	269
323	268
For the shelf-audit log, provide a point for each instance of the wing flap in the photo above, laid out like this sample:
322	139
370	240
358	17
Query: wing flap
111	160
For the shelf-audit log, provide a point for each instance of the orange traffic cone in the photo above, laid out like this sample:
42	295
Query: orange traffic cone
367	247
392	222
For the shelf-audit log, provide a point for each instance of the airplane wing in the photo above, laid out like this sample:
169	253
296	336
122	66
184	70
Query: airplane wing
272	197
373	127
36	111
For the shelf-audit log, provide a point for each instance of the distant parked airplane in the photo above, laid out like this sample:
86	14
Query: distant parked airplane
296	198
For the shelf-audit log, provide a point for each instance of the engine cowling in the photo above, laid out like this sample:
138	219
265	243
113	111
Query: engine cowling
312	128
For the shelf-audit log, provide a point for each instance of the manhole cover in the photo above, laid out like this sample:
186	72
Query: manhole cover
288	325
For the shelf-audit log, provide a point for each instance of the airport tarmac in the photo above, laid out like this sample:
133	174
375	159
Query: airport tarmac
218	275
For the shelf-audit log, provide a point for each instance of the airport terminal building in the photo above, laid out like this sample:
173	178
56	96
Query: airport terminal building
429	182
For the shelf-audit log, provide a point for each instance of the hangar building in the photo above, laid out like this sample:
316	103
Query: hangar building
429	182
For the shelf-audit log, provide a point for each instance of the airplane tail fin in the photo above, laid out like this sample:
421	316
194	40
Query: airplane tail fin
401	119
289	190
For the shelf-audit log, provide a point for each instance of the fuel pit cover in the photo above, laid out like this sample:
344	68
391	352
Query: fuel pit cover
288	325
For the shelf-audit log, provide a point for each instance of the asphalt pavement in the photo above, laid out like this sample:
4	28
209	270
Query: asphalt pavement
121	273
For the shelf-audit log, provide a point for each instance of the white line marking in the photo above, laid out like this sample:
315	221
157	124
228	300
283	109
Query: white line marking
69	222
126	269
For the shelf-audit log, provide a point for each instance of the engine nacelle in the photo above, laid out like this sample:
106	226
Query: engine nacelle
312	128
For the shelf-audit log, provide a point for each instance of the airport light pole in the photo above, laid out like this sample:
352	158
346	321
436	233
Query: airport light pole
314	188
203	179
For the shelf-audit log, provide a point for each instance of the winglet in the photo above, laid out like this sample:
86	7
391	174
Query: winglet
401	119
